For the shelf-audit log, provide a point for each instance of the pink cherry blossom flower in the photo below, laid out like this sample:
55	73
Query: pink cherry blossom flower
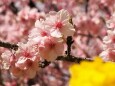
49	49
59	24
40	32
27	60
40	29
26	55
24	62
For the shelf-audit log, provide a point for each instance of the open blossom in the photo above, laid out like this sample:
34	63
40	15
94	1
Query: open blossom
26	56
24	62
28	60
58	23
50	48
39	31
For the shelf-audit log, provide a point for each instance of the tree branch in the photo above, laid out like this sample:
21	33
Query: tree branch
73	59
43	64
8	45
69	43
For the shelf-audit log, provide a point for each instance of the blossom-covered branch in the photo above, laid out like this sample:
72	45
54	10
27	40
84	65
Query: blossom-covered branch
51	39
67	57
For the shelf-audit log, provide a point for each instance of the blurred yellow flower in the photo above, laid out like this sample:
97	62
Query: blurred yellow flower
96	73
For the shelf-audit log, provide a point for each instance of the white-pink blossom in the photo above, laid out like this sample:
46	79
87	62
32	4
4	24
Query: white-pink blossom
50	48
24	62
25	54
59	24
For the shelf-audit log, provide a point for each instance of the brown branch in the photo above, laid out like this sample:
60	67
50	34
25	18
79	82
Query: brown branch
69	43
8	45
73	59
45	63
70	58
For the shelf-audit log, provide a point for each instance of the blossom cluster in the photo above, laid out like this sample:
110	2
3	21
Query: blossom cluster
45	42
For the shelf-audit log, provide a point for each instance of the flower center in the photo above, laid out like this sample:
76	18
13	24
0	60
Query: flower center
43	33
27	54
59	25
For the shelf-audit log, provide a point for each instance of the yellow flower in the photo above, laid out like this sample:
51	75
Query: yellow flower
96	73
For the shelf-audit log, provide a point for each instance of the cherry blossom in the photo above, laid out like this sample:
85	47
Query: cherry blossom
59	24
51	48
22	63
